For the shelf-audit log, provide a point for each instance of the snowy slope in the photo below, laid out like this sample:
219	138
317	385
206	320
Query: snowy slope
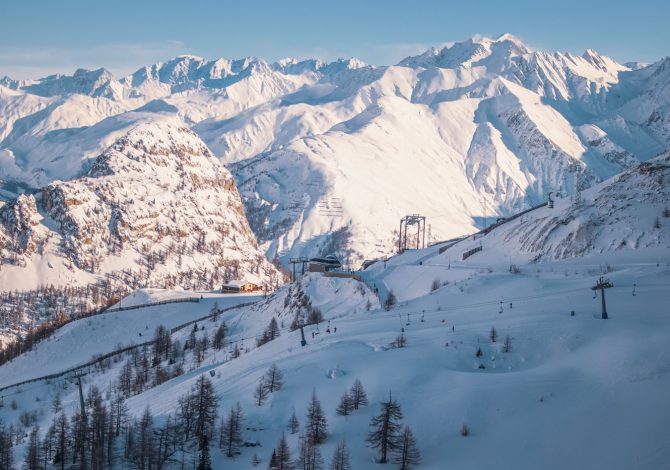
108	331
596	387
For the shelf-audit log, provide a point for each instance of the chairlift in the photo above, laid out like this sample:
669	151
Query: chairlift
407	324
422	317
594	294
634	286
501	307
2	401
212	373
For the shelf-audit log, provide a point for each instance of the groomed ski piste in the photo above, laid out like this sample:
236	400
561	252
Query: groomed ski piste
575	391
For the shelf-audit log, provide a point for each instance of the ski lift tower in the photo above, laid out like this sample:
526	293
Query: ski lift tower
420	222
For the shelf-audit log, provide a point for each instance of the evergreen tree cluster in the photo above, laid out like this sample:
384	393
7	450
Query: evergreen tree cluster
352	399
270	333
270	382
304	312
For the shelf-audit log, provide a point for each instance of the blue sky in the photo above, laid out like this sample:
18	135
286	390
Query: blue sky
41	37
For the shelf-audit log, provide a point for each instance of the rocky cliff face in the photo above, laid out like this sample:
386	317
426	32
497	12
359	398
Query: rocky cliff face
18	220
156	209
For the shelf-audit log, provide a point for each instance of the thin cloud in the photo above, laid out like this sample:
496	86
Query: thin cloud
121	59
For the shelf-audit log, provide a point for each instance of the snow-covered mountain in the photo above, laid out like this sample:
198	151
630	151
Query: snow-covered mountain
509	342
329	156
156	208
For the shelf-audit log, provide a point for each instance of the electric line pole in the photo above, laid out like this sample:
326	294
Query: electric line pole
83	424
601	285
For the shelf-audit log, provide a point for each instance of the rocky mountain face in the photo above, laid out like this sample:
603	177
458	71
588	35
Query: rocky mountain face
329	156
155	209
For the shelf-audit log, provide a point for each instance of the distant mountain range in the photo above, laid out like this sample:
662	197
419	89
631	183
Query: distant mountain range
329	156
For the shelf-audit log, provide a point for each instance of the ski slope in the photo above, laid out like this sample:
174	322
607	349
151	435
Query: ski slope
76	342
596	387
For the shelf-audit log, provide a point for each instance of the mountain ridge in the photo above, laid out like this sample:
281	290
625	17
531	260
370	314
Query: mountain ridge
510	125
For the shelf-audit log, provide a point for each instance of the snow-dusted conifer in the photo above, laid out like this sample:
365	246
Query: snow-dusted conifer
358	396
407	454
345	406
385	433
274	379
261	392
341	457
316	428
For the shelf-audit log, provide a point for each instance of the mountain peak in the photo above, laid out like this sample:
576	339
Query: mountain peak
469	52
158	143
509	37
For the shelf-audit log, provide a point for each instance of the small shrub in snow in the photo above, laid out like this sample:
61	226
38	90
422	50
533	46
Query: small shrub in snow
400	341
390	301
507	345
435	285
493	335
